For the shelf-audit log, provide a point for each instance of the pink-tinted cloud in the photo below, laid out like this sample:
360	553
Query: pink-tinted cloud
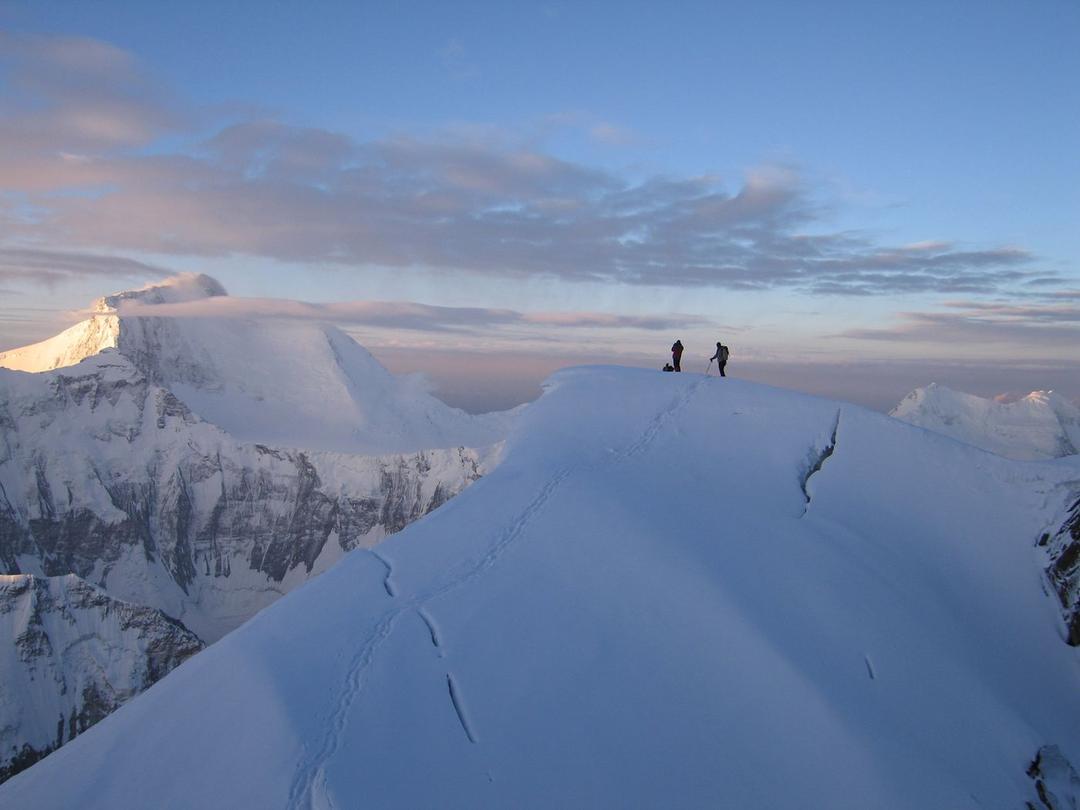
52	266
1050	322
80	114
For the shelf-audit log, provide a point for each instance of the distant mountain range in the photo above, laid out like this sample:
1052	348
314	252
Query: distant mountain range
1040	425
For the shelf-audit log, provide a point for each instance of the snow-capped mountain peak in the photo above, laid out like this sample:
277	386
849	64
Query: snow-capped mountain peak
1041	425
273	380
177	289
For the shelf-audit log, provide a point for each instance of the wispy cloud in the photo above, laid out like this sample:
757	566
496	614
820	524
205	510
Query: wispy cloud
52	266
404	315
447	202
1051	322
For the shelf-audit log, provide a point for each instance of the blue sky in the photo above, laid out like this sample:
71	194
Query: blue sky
848	186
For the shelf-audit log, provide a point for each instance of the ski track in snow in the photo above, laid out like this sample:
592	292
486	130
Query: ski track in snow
312	769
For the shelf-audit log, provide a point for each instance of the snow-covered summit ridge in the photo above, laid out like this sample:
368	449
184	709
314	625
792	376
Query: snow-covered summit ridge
674	591
272	380
1041	425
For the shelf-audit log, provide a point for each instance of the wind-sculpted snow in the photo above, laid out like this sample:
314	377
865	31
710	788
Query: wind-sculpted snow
637	609
70	655
1041	425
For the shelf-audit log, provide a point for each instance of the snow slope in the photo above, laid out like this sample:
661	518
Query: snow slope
69	655
1041	425
276	381
674	591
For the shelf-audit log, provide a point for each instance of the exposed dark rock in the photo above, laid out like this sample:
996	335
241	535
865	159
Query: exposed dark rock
1056	783
85	654
1063	571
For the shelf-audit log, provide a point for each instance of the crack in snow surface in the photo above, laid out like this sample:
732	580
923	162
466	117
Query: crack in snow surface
819	462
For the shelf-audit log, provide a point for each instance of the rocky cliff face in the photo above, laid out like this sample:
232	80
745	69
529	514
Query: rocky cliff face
70	655
109	477
1063	570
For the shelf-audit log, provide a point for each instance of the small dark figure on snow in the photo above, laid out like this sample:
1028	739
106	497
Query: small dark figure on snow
668	367
720	357
676	354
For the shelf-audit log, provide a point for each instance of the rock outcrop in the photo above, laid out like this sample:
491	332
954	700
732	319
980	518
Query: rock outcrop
1063	570
70	654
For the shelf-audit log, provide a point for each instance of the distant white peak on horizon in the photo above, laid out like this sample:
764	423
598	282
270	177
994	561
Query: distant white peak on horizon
177	289
1041	425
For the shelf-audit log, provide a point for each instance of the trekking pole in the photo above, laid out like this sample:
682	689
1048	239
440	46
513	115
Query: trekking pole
709	368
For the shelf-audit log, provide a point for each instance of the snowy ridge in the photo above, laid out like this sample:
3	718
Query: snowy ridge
69	655
637	607
84	339
1041	425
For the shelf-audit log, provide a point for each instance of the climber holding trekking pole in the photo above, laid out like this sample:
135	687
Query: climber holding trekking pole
720	357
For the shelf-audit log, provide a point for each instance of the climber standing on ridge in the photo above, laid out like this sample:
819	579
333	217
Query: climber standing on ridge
676	354
720	357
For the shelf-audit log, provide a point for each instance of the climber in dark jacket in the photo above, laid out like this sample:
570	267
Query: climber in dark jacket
676	354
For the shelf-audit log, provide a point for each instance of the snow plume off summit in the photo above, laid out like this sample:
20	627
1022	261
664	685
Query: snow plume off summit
674	591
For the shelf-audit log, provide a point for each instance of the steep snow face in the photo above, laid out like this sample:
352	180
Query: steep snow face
674	591
108	476
296	384
69	655
1042	425
84	339
280	382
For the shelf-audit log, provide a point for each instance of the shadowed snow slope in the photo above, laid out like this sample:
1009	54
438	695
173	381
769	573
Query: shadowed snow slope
675	591
282	382
1041	425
